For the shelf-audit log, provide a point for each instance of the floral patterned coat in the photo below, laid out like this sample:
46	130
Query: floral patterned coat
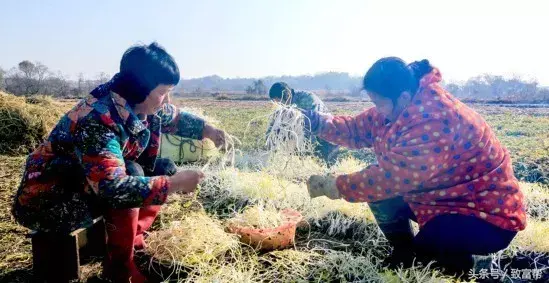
80	169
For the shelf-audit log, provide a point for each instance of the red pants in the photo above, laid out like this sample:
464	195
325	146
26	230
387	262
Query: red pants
125	229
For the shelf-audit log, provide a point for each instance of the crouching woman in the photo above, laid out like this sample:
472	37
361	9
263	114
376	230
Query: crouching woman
101	159
439	164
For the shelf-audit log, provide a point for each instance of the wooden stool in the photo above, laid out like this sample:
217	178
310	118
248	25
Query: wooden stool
57	258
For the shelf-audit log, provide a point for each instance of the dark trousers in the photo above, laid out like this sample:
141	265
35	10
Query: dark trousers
449	239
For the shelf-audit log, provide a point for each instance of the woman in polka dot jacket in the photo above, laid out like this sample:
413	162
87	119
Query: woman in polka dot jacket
439	164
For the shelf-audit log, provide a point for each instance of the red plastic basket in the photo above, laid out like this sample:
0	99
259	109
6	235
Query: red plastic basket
279	237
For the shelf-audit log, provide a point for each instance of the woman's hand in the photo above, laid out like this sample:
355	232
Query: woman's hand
214	134
185	181
323	186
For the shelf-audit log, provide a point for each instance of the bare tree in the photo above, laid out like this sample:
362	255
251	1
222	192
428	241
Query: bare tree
257	87
57	85
250	89
28	78
27	68
453	88
15	82
260	87
103	78
2	73
42	73
80	85
27	82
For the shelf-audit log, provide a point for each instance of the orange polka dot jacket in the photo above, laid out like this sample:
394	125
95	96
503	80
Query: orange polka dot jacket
439	155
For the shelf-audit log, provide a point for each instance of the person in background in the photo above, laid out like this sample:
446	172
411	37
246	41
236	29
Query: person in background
282	93
101	159
439	164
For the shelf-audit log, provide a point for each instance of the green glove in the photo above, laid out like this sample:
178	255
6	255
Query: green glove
323	186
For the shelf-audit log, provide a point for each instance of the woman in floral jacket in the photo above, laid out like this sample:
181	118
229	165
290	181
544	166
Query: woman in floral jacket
101	158
439	164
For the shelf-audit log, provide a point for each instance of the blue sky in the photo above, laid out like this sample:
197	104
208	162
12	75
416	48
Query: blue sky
238	38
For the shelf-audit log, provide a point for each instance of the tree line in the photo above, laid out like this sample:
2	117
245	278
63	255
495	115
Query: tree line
29	78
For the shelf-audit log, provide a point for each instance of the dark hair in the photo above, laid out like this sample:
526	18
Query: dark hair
279	89
142	69
390	76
